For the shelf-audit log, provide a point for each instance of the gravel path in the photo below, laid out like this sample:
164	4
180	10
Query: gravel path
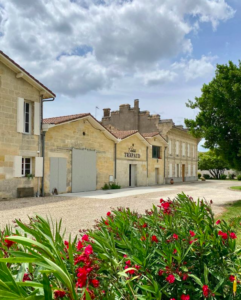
79	213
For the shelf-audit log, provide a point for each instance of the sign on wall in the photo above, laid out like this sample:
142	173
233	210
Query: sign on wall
132	153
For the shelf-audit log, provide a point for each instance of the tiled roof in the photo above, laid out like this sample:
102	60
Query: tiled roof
63	119
124	133
150	134
17	65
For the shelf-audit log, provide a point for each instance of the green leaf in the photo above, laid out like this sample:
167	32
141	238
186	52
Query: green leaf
198	281
47	288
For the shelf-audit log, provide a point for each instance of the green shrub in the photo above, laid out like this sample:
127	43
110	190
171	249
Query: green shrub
206	176
199	175
223	176
114	186
231	176
174	249
106	187
239	177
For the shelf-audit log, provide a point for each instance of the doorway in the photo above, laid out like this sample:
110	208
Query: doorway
156	176
183	173
132	175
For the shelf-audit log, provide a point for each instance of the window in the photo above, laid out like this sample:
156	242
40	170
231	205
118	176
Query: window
26	166
188	150
156	152
177	148
183	149
27	117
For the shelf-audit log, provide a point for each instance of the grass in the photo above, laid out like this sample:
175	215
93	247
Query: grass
236	188
233	210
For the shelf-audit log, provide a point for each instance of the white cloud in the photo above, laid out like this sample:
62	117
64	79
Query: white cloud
79	46
195	68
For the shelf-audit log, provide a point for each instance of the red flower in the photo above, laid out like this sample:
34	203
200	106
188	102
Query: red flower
79	246
143	238
128	262
185	297
144	225
192	233
185	277
82	277
95	283
26	277
108	214
172	299
124	255
85	237
205	291
174	251
170	278
223	235
233	235
129	271
88	250
161	200
231	278
154	239
165	205
161	272
107	223
218	222
66	244
59	294
175	236
8	242
137	267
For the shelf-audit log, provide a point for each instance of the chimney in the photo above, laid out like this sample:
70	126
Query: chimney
136	103
106	112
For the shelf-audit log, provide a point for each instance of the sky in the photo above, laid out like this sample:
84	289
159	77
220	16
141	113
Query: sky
103	53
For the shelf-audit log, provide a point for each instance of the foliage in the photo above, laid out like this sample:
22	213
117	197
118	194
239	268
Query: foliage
211	162
173	251
239	177
231	175
237	188
206	176
199	175
112	186
223	176
29	176
219	119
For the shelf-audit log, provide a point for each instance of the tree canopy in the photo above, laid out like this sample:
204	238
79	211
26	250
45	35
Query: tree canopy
211	162
219	119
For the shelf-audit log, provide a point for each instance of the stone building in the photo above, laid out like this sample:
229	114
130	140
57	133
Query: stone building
181	154
21	97
82	155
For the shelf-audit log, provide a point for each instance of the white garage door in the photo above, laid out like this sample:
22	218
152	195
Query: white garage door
83	170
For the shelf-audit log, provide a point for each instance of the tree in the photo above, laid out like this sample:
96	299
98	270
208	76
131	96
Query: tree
219	119
211	162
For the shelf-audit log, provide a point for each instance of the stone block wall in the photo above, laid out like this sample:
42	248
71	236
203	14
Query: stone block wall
61	139
13	143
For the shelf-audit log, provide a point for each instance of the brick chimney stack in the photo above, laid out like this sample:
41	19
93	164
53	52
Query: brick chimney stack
106	112
136	104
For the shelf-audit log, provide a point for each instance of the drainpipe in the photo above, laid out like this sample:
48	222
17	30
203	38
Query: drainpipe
115	164
164	176
43	154
43	139
147	173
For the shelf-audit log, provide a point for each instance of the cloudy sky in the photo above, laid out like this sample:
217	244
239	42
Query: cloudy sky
108	52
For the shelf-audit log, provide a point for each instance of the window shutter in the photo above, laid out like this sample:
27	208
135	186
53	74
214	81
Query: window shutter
17	166
177	148
38	166
189	170
194	170
170	147
20	115
183	149
36	118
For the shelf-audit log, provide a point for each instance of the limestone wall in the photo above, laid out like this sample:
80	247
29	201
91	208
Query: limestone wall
13	143
61	139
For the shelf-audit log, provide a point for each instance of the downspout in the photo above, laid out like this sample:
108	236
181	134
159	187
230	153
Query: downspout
164	176
147	171
115	163
43	139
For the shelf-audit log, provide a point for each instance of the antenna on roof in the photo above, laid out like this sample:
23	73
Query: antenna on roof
96	111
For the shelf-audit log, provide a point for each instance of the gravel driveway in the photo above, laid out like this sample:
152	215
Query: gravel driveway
78	212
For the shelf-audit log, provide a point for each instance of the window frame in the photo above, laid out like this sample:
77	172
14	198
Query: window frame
23	167
30	117
158	153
